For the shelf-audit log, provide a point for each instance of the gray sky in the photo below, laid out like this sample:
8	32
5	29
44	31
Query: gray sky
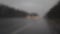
38	6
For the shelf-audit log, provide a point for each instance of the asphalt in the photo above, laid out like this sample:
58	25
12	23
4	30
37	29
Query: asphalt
24	26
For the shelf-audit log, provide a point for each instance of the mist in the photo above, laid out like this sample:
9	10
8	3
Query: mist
41	7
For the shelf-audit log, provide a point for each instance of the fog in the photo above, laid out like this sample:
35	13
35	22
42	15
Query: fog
41	7
37	6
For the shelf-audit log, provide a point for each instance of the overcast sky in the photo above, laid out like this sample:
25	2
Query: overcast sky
38	6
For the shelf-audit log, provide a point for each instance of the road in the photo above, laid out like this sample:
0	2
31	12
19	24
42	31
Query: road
33	27
24	26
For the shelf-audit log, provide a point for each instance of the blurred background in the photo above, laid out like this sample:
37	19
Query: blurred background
38	6
41	7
